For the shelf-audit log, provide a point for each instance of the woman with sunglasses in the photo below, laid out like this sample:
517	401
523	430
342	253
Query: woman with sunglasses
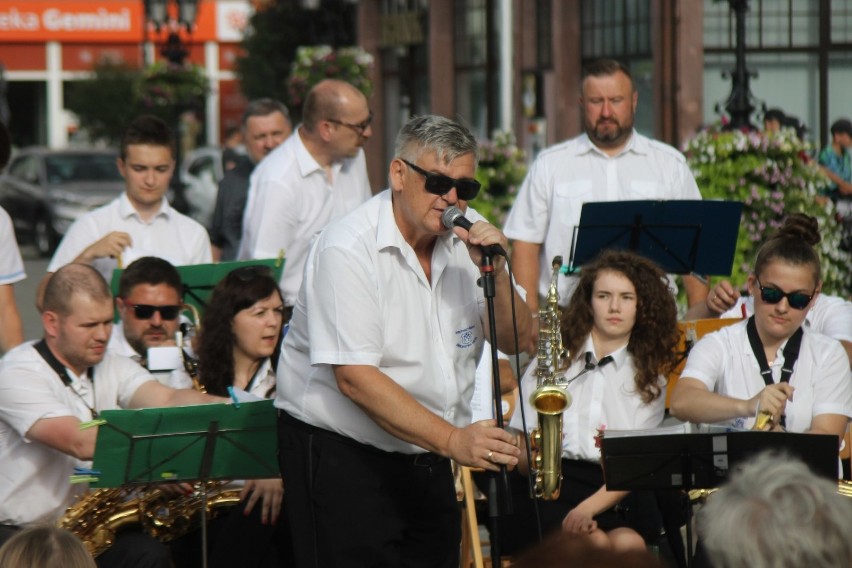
771	366
237	347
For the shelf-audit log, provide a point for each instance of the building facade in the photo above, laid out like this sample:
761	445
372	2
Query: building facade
48	45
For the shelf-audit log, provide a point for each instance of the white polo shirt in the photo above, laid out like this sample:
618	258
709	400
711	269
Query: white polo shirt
830	315
291	199
11	264
169	235
605	396
366	301
34	478
567	175
724	362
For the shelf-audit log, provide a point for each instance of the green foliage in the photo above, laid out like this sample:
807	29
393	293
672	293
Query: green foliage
501	170
103	103
315	63
116	94
773	175
167	90
270	45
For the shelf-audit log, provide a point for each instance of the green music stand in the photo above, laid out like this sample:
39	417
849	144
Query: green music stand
200	279
188	443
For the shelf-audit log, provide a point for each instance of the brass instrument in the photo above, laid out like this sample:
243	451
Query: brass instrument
763	421
190	365
551	398
97	517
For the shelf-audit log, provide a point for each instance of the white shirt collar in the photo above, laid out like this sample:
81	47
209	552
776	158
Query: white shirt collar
637	144
126	209
619	356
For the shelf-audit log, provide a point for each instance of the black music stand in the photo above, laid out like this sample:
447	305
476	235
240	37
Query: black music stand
682	237
188	443
703	460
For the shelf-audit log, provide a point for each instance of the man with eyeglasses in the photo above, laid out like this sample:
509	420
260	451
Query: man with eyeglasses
610	161
317	175
377	370
149	305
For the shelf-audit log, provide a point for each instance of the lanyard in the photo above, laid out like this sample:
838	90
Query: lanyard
54	363
790	353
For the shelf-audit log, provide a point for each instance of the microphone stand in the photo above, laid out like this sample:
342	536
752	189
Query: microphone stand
499	498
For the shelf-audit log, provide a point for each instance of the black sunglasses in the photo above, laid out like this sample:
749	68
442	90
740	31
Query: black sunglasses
441	185
146	311
359	128
772	295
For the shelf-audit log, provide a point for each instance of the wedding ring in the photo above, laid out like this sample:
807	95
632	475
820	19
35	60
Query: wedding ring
490	455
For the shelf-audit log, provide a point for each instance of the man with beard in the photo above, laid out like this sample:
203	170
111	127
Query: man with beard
149	305
317	175
609	162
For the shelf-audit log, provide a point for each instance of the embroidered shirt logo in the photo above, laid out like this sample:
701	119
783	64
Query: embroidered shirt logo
465	337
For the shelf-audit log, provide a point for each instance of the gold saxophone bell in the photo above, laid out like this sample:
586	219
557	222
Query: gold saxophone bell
550	399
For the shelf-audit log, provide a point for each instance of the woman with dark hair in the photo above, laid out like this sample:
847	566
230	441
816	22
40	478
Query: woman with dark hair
245	312
237	346
751	370
620	331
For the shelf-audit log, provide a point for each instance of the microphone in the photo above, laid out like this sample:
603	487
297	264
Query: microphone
453	217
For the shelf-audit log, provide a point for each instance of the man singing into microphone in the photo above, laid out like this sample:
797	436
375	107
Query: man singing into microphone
377	370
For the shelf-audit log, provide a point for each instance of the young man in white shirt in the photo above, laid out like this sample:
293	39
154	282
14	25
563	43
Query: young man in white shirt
140	222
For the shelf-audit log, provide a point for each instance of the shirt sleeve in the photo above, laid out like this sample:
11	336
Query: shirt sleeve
11	264
80	235
345	326
706	361
833	382
27	396
529	216
271	227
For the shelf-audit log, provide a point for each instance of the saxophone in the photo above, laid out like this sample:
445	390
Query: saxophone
550	399
100	514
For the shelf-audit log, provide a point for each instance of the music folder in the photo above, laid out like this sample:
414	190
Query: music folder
704	459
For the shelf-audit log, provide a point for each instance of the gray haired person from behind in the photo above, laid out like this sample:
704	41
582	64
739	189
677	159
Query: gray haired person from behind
776	513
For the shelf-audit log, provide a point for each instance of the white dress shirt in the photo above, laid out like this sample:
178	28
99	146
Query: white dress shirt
291	199
567	175
169	235
605	396
11	264
724	362
34	478
367	301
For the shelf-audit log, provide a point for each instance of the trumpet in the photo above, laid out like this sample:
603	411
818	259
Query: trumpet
551	398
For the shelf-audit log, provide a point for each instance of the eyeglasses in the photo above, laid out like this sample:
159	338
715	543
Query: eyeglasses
773	295
146	311
251	272
359	128
441	185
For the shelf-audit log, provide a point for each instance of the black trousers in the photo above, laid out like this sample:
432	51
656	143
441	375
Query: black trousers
351	505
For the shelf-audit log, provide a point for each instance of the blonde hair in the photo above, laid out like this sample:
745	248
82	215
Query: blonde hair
45	547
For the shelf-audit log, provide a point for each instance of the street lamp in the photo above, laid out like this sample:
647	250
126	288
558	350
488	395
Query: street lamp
157	12
739	104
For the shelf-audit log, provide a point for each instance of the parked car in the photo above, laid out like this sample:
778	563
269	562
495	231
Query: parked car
200	173
44	191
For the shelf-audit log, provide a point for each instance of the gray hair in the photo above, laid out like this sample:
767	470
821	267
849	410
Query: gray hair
264	107
431	133
776	513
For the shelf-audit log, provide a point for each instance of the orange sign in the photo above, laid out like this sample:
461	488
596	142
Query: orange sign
114	21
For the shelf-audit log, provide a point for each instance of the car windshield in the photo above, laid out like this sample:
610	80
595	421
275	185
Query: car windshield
81	167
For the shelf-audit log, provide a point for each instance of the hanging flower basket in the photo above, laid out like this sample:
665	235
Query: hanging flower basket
165	87
773	175
501	170
315	63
